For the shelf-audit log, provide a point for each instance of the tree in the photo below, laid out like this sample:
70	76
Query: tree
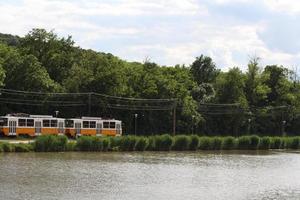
56	54
204	70
255	90
24	72
230	87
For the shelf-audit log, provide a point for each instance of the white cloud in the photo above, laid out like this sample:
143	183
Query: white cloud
285	6
168	31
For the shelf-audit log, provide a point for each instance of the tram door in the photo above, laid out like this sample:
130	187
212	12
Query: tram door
118	126
12	127
98	129
78	128
60	128
38	127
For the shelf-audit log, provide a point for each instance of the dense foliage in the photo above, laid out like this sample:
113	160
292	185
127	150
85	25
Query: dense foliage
261	100
164	142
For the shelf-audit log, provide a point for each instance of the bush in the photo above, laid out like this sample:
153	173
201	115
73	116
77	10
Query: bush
181	143
1	148
244	142
46	143
216	143
194	142
254	141
228	143
127	143
204	143
105	144
277	143
96	144
7	147
265	143
71	146
163	142
141	144
23	147
151	143
84	143
292	143
115	143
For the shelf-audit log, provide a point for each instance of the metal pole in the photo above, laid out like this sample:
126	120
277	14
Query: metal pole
135	123
174	121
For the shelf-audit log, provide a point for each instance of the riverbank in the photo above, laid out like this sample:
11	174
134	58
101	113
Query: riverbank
164	142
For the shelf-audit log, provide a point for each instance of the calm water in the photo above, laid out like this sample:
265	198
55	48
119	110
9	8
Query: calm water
166	176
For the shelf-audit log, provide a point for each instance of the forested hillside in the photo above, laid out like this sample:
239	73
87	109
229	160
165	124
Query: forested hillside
262	100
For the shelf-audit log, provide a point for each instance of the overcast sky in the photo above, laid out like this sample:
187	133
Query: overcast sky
168	32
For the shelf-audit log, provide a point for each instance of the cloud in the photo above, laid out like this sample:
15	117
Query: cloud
170	31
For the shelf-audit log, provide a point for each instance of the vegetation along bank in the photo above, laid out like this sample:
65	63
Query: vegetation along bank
164	142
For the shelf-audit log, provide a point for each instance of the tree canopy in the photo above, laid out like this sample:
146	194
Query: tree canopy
208	100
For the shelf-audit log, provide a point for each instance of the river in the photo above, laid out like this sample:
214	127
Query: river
151	175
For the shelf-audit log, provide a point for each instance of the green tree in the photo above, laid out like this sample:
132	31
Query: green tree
204	70
56	54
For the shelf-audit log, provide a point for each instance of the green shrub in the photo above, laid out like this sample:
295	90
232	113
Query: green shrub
59	143
71	146
228	143
22	147
115	142
244	142
1	148
293	143
84	143
151	143
141	144
204	143
47	143
7	147
163	142
96	144
181	143
194	142
127	143
265	143
105	144
216	143
277	143
254	141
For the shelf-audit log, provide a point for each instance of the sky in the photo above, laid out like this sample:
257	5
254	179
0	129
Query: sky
168	32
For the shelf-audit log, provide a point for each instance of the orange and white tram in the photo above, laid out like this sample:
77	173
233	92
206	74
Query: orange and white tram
93	126
35	125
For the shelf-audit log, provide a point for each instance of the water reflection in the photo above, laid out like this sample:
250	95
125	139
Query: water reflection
151	175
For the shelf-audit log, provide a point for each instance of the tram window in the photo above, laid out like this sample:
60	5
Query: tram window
69	123
22	122
53	123
30	122
3	122
105	124
112	125
85	124
46	123
92	124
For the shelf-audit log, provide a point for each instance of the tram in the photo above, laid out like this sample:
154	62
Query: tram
35	125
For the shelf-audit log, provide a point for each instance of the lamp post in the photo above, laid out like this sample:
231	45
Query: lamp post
193	116
249	125
282	127
135	122
56	113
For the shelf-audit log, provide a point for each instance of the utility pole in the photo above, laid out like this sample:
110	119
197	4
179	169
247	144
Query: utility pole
174	119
